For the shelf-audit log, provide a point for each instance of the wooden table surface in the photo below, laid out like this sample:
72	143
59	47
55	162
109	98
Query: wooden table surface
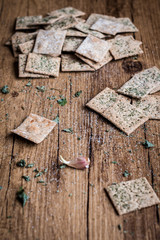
74	204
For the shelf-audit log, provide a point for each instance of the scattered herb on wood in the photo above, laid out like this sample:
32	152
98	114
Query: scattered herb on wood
68	130
22	196
21	163
41	181
1	187
126	173
147	144
5	89
35	170
9	216
29	84
62	101
62	166
114	162
77	94
70	195
41	88
30	165
38	174
45	170
119	227
56	119
78	138
26	178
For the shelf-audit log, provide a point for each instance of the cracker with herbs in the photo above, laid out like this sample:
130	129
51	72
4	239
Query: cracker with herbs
43	64
67	11
72	43
124	46
95	16
71	63
98	65
104	100
85	28
132	195
22	23
141	84
26	47
35	128
63	23
19	38
22	59
150	106
75	33
156	89
93	48
125	116
49	42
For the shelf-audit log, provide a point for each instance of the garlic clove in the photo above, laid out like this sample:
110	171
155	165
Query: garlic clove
79	162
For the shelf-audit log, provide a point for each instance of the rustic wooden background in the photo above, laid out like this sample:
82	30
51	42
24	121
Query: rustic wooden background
74	204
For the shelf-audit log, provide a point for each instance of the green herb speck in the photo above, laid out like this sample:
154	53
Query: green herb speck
22	196
30	165
26	178
68	130
5	89
147	144
21	163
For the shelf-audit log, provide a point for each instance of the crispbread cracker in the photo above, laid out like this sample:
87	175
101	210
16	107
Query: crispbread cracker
142	83
49	42
93	48
63	23
150	106
71	63
124	46
35	128
98	65
26	47
83	27
125	116
103	100
23	22
20	37
38	63
132	195
67	11
156	89
128	26
22	73
75	33
107	26
72	43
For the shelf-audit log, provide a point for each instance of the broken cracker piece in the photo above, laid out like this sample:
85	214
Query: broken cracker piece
71	63
124	46
35	128
26	47
150	106
38	63
125	116
141	83
22	73
93	48
72	43
49	42
132	195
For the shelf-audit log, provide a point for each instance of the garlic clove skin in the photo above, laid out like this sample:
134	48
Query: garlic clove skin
78	163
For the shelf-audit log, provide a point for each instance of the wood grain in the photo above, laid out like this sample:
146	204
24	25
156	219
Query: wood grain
74	204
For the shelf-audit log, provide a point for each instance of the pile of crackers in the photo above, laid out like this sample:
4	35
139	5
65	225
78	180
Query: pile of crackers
63	39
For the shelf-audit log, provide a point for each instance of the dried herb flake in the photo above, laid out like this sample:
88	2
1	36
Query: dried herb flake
22	196
21	163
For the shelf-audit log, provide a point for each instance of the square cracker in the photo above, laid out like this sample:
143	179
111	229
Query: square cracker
132	195
35	128
38	63
98	65
63	23
72	43
23	22
20	37
104	100
142	83
22	64
67	11
150	106
71	63
85	28
49	42
125	116
124	46
93	48
75	33
26	47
